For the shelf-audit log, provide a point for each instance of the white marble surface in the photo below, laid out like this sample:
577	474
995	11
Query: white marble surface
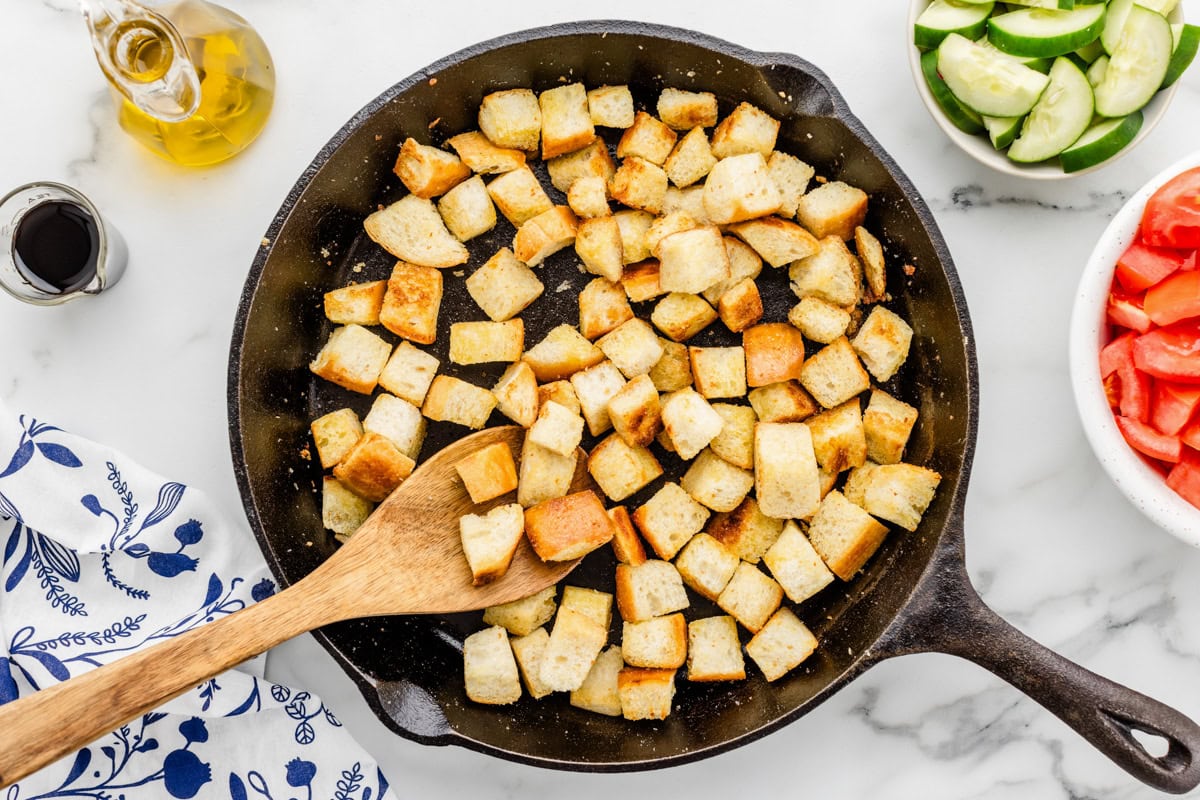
1050	544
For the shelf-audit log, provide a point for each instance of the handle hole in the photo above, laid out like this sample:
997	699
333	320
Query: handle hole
1154	744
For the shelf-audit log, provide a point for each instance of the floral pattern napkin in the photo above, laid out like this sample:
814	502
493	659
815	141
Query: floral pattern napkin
100	557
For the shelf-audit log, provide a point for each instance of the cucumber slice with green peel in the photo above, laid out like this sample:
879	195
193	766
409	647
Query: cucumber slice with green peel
1187	42
961	117
986	82
1065	5
1002	130
1090	52
1164	7
943	17
1101	142
1137	66
1096	71
1060	116
1114	21
1045	32
1042	65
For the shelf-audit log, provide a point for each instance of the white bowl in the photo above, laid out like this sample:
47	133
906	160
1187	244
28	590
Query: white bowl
1141	484
979	147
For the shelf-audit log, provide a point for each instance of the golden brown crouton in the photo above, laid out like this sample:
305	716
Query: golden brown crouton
750	597
545	234
674	370
882	343
834	374
598	245
621	469
650	589
626	544
746	530
523	617
791	177
819	319
782	645
489	541
566	121
342	511
603	306
647	138
519	195
503	287
334	434
427	171
691	159
511	118
632	346
795	564
600	690
633	224
681	315
777	240
488	472
844	535
740	188
741	305
611	106
467	209
714	482
356	304
832	274
635	411
785	401
832	209
516	394
887	423
412	230
454	400
900	493
352	358
373	467
735	442
690	422
659	642
718	371
642	281
669	519
682	109
489	668
838	437
646	693
774	353
870	252
594	387
482	156
561	354
706	565
566	528
639	184
786	479
714	652
747	129
588	197
544	475
398	420
592	161
692	260
485	342
410	306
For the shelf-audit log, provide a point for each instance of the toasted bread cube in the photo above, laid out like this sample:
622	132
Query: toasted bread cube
791	177
635	411
503	287
834	374
611	106
523	617
398	420
352	358
334	434
561	392
454	400
427	171
342	511
786	401
900	493
714	652
603	306
680	316
660	642
746	530
593	161
740	188
674	370
882	343
667	224
626	544
887	424
844	535
689	200
575	642
591	602
741	306
774	353
633	224
669	519
691	159
750	597
588	197
486	342
511	118
641	281
356	304
785	470
692	260
782	645
557	429
412	230
832	209
489	540
706	565
647	138
482	156
566	528
544	235
561	354
747	129
594	387
639	184
530	650
855	486
832	274
646	693
714	482
621	469
408	373
489	668
819	320
719	371
735	442
599	692
633	347
410	307
777	240
517	394
650	589
566	121
690	422
598	245
870	253
544	474
795	564
519	196
839	439
467	209
373	467
488	473
682	109
743	263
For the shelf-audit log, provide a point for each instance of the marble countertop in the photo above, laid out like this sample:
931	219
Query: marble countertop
1051	545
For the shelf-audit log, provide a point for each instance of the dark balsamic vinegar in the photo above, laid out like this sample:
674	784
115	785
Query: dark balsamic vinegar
56	246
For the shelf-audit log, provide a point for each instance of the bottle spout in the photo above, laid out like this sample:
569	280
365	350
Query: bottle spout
144	58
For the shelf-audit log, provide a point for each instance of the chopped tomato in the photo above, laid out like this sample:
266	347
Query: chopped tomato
1112	392
1184	477
1141	266
1171	352
1172	405
1172	214
1174	298
1191	435
1135	393
1116	354
1189	262
1126	310
1145	439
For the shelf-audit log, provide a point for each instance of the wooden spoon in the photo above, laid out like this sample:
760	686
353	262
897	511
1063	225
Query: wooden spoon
406	559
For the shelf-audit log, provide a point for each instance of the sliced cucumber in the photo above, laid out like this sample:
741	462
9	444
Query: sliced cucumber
1101	142
1091	51
959	115
1066	5
1042	65
1059	117
1096	71
943	17
1002	130
985	82
1045	32
1187	41
1164	7
1114	21
1138	64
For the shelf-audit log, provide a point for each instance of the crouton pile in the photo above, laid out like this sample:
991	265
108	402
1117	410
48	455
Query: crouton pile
794	471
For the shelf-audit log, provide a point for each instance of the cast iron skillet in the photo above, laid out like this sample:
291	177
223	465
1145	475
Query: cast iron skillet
914	595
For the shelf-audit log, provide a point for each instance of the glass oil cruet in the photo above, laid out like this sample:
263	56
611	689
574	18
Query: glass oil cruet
194	82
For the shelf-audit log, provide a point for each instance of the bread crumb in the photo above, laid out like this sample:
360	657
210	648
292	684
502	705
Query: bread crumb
433	81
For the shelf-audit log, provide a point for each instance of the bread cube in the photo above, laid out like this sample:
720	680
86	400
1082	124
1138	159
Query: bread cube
482	156
819	320
777	240
741	306
669	519
626	544
598	245
747	129
373	467
667	224
690	422
735	442
882	343
561	354
633	225
593	603
689	200
900	493
342	511
746	531
887	424
511	118
785	470
795	564
503	286
410	306
566	528
544	474
716	483
530	650
739	188
691	159
356	304
680	316
674	370
523	617
635	412
660	642
648	138
566	121
593	161
334	434
352	358
519	196
870	253
714	652
489	668
588	197
832	209
774	353
561	392
791	177
750	597
718	371
557	429
706	565
603	306
834	374
743	263
646	693
633	347
517	394
575	642
485	342
832	274
398	420
855	485
682	109
692	260
838	437
786	401
467	209
427	171
412	230
454	400
639	184
611	106
844	535
488	473
782	645
621	469
408	373
544	235
594	387
489	541
599	692
641	282
650	589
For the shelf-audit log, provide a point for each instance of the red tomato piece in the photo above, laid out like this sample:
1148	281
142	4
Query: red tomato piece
1184	477
1171	352
1146	440
1112	392
1174	298
1172	405
1135	393
1172	214
1141	266
1116	354
1190	262
1126	310
1191	435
